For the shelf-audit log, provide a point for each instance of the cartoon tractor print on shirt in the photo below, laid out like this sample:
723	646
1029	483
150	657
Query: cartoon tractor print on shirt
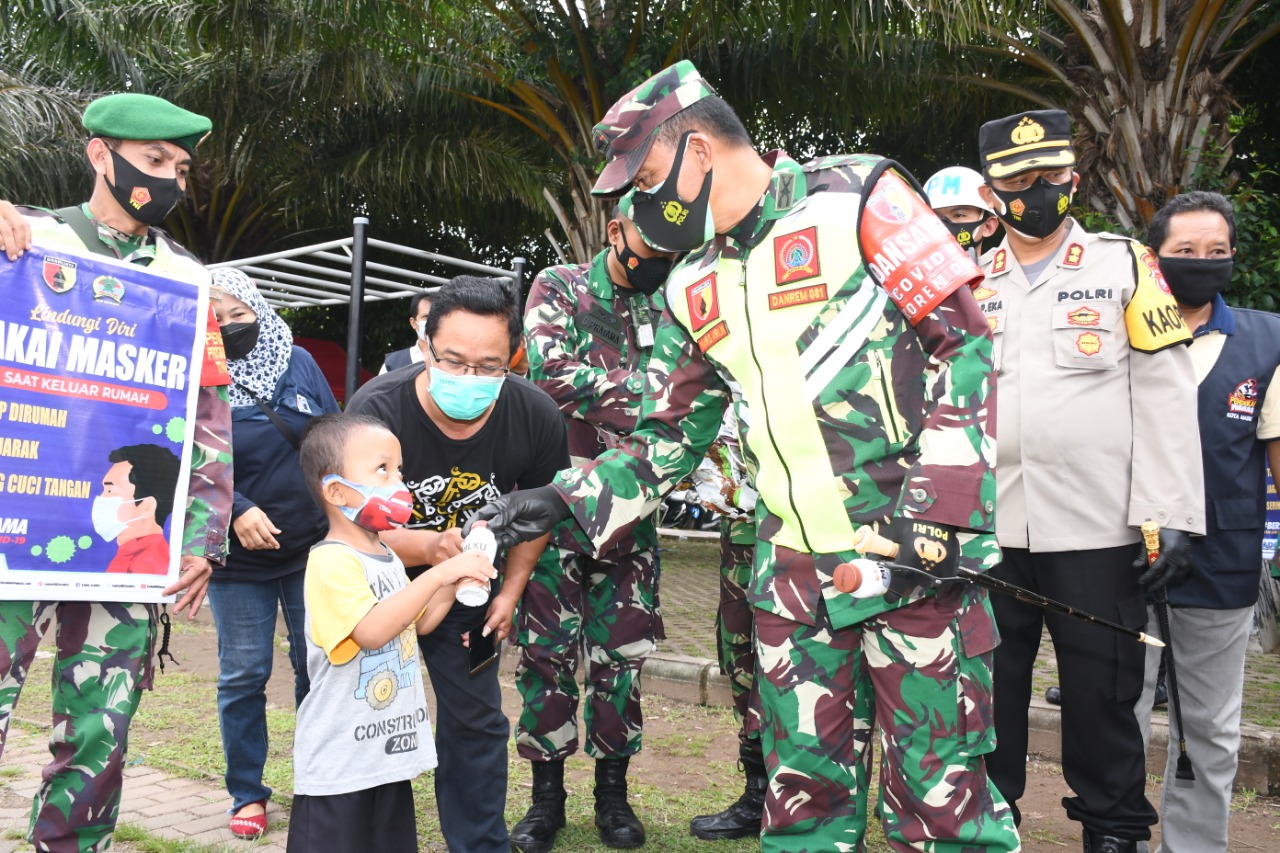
384	672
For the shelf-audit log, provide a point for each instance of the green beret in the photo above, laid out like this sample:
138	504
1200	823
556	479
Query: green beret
129	115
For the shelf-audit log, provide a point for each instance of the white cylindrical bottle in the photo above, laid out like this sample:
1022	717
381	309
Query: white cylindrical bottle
470	592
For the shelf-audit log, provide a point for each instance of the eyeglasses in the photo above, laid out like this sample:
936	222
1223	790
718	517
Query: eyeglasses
459	368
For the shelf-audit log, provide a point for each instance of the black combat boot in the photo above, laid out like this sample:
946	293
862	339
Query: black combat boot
742	819
1096	843
619	827
537	831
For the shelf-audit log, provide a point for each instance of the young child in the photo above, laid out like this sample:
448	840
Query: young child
363	731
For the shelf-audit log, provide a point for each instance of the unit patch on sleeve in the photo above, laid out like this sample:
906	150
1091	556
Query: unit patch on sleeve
795	256
704	307
1152	318
1243	402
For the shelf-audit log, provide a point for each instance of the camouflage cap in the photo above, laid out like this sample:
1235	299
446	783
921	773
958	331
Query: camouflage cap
130	115
626	131
1038	139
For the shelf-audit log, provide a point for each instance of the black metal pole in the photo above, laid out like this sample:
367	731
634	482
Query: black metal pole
355	310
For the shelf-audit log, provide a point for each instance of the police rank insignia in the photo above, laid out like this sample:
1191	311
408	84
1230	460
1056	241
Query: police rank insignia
704	307
1075	254
1000	262
1084	316
1242	402
1088	343
58	274
109	288
795	256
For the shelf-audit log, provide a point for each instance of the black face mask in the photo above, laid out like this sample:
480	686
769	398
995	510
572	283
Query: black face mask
667	223
1195	281
1036	211
644	274
963	232
146	198
238	339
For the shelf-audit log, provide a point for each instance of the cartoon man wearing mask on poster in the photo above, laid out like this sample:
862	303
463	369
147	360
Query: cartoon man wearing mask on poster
137	497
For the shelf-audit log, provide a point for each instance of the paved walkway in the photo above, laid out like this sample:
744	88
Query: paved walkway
164	805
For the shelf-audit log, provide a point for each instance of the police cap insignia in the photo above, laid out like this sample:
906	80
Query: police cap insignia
1037	139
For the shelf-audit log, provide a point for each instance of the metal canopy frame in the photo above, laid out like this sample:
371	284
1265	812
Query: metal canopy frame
339	272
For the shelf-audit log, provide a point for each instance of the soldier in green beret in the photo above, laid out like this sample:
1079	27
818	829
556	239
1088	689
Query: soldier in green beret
140	149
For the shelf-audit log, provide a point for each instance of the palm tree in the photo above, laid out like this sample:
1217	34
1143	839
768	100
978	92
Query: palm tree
1145	81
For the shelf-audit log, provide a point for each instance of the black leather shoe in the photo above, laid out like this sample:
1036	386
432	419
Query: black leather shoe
1095	843
536	833
1053	695
1162	694
742	819
619	827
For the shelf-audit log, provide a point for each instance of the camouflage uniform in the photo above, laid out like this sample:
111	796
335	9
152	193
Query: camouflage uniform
104	649
723	484
857	417
588	342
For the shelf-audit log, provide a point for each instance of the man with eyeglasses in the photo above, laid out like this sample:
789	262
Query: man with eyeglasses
470	431
1097	414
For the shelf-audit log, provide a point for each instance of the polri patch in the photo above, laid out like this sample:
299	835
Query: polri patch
704	305
795	256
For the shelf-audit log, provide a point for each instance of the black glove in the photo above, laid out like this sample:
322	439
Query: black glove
926	546
1172	566
521	516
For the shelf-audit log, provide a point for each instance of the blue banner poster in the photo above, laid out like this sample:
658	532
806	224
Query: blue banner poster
99	368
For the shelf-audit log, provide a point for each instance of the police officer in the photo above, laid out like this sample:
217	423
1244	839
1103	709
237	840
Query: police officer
1236	355
1097	419
859	416
955	194
140	149
589	334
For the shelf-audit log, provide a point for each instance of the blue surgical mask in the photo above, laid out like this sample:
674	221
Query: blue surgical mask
464	398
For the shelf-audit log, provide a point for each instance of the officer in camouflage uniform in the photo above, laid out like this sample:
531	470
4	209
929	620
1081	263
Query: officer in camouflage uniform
104	649
859	416
589	334
723	486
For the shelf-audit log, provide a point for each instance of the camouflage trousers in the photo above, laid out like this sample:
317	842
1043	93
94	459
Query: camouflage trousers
735	623
103	664
821	691
607	611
